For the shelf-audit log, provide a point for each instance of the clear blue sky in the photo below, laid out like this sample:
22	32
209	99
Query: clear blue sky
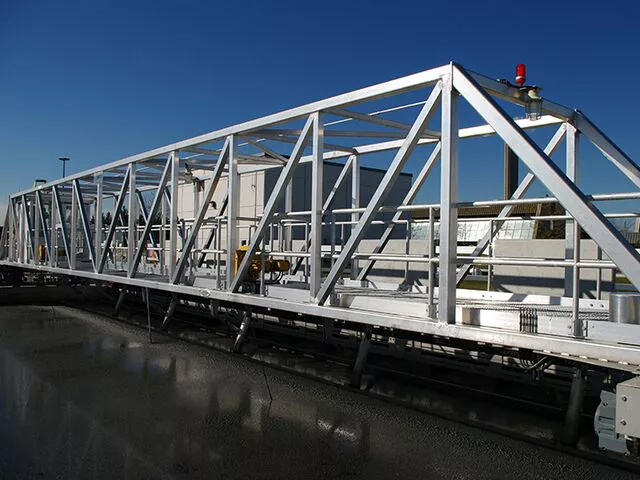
100	80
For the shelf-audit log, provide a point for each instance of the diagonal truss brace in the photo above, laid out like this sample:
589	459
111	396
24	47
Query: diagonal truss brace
84	218
609	149
212	233
43	220
5	233
114	221
269	209
144	211
63	223
29	226
573	200
346	169
204	206
520	192
148	224
409	197
381	192
368	118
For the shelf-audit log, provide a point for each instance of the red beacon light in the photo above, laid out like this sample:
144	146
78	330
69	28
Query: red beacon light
521	74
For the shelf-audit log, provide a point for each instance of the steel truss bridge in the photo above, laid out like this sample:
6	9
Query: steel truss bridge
59	227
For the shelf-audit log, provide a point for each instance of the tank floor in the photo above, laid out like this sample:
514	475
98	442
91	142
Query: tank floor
82	397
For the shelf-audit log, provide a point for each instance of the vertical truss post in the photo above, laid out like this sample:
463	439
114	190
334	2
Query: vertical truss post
355	203
408	199
448	203
317	188
133	215
173	213
572	173
196	204
269	209
73	233
148	225
21	233
53	259
233	209
202	211
35	209
575	202
163	226
381	193
114	221
43	220
12	229
98	180
520	192
84	218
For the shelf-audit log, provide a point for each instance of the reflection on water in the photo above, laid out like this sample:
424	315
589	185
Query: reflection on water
82	399
113	408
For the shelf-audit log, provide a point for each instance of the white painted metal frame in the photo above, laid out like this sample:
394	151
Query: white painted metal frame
163	169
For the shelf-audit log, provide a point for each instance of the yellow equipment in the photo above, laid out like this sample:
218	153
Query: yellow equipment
253	273
42	253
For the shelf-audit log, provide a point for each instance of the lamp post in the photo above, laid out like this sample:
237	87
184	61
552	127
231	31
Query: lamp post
64	161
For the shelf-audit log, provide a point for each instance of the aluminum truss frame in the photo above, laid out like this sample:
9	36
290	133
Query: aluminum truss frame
115	253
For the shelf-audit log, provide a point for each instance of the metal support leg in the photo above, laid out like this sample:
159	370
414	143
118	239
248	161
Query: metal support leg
571	432
361	359
244	330
170	311
119	302
213	307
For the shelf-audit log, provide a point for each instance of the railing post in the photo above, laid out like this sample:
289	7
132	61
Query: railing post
578	330
355	203
431	245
